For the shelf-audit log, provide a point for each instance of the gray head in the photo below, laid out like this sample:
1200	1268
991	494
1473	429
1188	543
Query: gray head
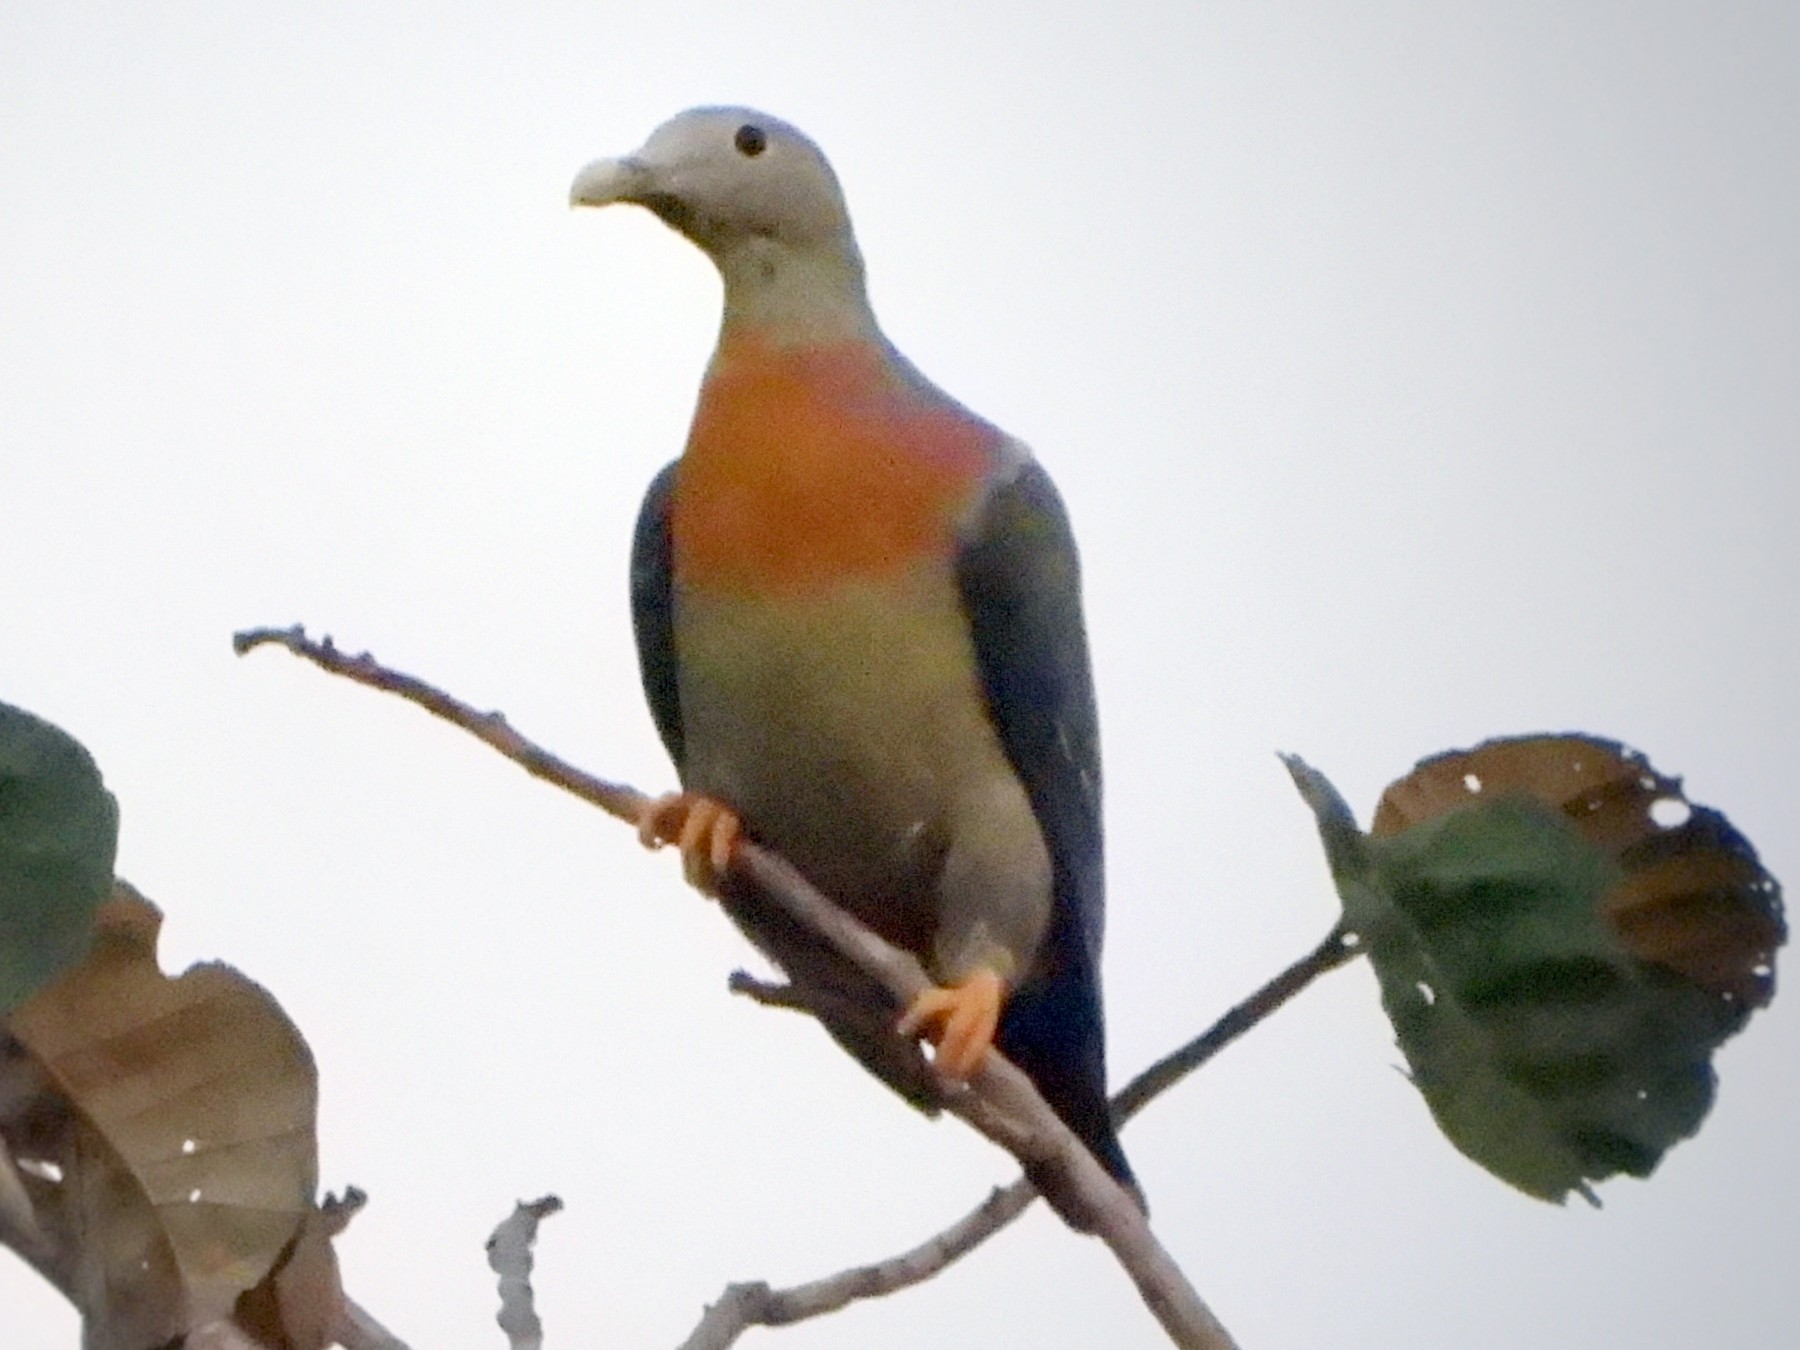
718	174
762	201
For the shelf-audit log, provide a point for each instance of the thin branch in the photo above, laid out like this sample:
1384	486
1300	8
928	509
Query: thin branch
491	727
743	1306
357	1328
769	993
336	1211
999	1100
1003	1104
1338	949
509	1257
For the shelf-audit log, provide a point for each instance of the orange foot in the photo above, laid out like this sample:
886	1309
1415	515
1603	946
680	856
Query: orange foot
960	1020
704	829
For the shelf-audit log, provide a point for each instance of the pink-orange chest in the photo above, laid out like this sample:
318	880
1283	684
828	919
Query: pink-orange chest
809	468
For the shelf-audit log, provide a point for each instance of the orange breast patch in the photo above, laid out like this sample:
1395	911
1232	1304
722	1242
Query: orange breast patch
809	467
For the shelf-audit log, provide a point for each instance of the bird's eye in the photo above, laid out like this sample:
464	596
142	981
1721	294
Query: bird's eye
751	140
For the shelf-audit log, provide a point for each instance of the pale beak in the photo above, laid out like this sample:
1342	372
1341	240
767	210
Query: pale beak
607	181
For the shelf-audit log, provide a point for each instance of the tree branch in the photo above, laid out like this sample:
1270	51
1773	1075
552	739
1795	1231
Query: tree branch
509	1257
743	1306
1338	948
999	1100
490	727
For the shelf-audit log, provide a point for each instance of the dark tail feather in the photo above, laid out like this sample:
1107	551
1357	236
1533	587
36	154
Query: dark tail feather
1050	1031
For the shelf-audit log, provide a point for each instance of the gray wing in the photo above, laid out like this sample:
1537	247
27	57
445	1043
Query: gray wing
653	611
1021	590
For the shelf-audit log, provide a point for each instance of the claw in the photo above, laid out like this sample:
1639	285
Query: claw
703	828
960	1020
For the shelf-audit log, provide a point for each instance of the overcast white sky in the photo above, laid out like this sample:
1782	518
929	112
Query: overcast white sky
1415	373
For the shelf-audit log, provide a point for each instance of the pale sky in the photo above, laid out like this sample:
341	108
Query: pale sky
1415	373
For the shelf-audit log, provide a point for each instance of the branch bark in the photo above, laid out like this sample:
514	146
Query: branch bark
491	728
743	1306
999	1100
747	1305
509	1256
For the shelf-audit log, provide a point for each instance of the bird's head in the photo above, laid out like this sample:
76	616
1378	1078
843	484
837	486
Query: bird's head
760	199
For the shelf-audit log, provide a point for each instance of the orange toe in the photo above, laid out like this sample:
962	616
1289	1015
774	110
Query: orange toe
726	830
659	822
703	828
960	1020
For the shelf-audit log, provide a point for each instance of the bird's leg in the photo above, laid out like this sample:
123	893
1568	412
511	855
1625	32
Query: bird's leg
960	1019
703	828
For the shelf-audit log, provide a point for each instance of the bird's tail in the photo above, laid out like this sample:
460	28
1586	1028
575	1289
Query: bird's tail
1049	1034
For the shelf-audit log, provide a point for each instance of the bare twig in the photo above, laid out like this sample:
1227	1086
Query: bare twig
1000	1101
336	1211
769	993
613	798
743	1306
1338	949
509	1256
357	1328
1003	1104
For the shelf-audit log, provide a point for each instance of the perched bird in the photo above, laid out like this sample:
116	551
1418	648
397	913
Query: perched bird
858	618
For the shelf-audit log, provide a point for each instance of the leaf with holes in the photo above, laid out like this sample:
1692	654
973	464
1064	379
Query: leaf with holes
1562	941
169	1138
58	829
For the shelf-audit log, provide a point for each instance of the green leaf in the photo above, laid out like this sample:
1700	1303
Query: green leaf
58	830
1561	943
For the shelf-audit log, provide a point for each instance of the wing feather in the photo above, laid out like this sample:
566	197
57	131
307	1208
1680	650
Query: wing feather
1021	589
653	610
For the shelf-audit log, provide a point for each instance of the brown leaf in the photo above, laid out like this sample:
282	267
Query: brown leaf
1694	898
300	1305
181	1120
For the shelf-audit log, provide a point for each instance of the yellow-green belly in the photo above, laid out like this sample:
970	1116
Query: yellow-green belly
848	728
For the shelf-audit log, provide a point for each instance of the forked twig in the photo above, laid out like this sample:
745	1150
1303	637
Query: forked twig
747	1305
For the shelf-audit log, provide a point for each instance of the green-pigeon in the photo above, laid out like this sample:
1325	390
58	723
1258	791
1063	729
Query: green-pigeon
858	616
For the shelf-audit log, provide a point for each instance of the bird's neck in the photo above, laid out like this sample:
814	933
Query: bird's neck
794	297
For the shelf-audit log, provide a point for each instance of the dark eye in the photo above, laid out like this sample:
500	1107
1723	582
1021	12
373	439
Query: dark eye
751	140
